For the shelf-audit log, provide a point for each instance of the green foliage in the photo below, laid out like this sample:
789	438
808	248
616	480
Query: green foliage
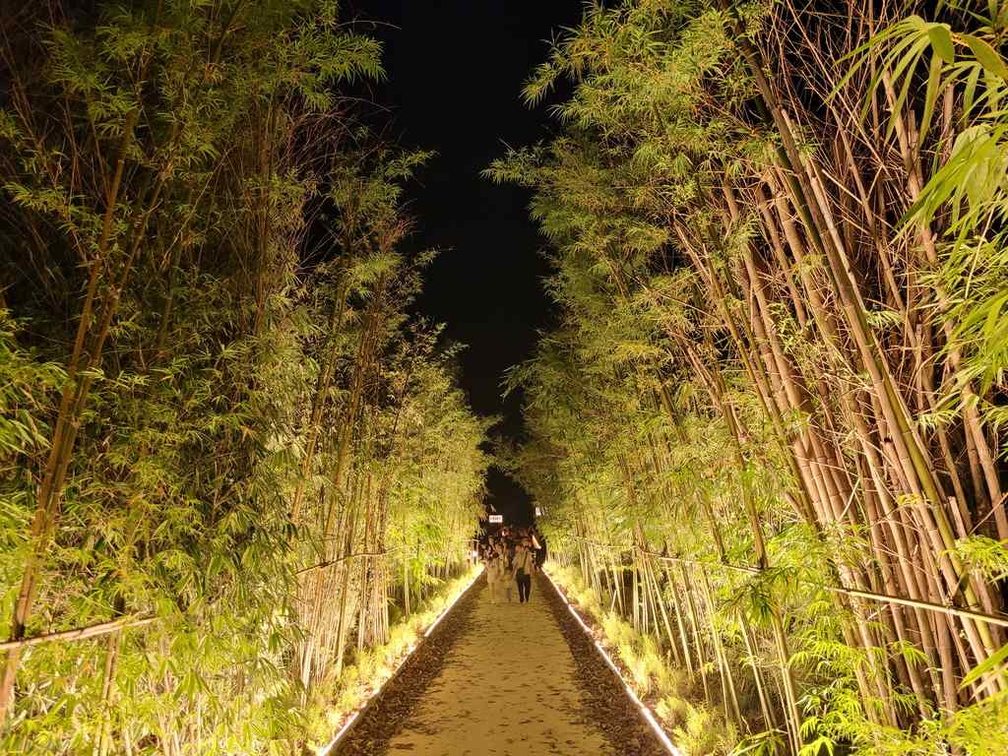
248	413
697	729
969	184
751	258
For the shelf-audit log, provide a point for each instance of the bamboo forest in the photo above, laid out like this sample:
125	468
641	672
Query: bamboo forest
250	497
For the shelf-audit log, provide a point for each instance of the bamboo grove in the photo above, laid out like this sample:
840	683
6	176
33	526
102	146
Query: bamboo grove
231	460
767	427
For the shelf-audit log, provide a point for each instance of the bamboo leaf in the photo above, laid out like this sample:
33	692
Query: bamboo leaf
995	664
931	94
987	56
941	41
907	64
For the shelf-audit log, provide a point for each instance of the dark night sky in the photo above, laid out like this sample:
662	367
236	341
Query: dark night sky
455	70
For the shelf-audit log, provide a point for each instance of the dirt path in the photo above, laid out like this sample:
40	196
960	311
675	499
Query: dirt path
506	683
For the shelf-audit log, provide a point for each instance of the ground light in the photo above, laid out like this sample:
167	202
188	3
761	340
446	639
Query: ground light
644	708
328	749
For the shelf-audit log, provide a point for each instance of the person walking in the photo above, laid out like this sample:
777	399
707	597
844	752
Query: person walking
503	573
495	575
524	563
539	543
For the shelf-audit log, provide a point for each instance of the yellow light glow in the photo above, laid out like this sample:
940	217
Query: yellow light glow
327	749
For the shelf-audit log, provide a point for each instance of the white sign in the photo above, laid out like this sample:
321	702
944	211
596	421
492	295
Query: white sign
496	518
538	511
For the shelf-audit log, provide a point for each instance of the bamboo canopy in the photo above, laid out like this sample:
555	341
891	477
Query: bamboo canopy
237	472
767	426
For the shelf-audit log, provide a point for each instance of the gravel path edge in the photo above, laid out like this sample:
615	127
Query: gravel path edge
364	735
617	715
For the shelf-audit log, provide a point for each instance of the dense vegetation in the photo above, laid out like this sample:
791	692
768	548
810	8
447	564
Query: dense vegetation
767	429
227	451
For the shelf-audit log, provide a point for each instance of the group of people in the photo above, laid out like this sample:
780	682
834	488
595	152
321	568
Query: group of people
511	556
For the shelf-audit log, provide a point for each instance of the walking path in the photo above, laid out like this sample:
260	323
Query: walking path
501	679
508	686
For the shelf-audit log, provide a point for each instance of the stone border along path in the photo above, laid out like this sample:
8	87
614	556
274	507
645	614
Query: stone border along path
504	679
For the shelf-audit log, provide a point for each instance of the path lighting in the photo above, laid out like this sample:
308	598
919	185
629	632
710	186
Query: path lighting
644	709
330	747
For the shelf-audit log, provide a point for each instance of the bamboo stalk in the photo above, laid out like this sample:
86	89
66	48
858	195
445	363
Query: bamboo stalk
81	633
